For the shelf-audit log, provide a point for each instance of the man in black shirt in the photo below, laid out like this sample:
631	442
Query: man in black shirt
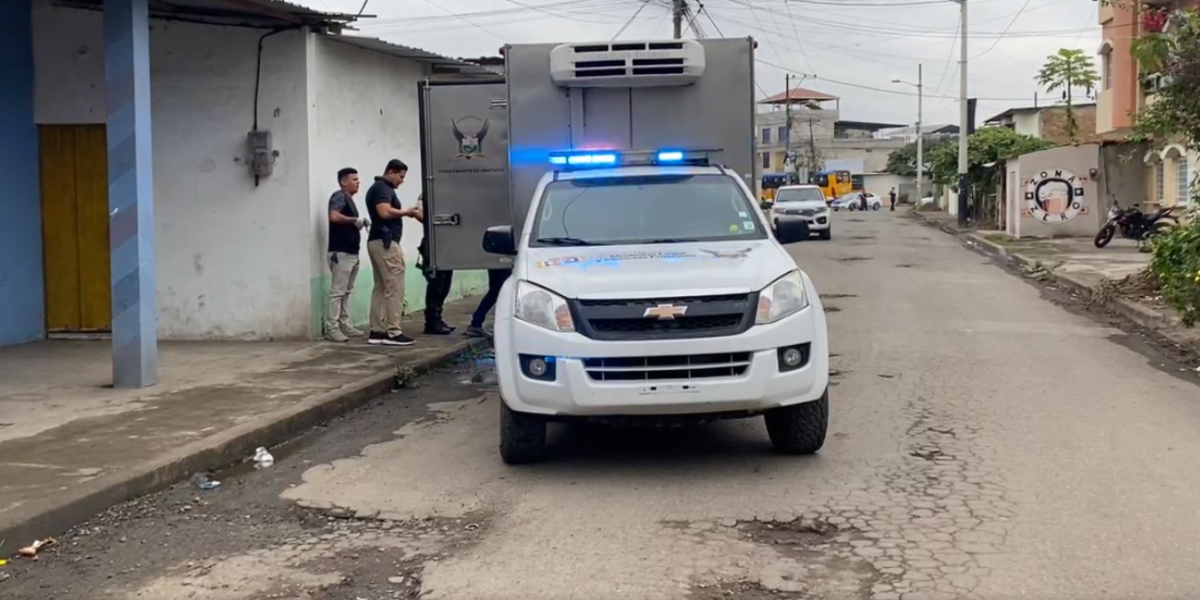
437	283
344	243
387	259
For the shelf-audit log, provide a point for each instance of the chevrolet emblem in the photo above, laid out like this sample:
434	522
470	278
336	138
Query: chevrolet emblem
665	312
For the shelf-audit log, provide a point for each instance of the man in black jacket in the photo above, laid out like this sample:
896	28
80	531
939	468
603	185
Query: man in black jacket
437	283
387	259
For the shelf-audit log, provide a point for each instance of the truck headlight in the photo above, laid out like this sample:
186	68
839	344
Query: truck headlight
539	306
786	296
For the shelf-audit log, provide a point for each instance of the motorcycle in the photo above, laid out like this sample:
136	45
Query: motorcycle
1133	224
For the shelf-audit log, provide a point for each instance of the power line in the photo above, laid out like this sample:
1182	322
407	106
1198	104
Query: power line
710	19
1010	24
872	88
796	30
631	19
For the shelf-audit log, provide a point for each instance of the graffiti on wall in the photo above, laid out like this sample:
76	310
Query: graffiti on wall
1055	196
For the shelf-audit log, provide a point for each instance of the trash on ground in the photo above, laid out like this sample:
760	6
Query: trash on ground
209	485
263	459
32	549
3	576
3	563
395	580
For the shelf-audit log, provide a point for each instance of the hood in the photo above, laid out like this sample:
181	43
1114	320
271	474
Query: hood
657	270
818	204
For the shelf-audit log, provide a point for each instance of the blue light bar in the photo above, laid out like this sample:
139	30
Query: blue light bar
558	160
670	156
592	159
610	158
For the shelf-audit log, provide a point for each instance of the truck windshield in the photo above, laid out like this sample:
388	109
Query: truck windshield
643	210
799	195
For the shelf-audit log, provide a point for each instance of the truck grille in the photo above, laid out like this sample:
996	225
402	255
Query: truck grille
708	316
658	368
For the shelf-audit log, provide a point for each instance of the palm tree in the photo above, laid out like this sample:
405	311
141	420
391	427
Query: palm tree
1068	69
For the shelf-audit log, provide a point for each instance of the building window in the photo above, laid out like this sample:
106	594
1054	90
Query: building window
766	161
1183	181
1106	59
783	134
766	135
1159	180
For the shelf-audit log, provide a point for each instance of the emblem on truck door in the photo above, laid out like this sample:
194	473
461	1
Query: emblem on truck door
665	312
470	131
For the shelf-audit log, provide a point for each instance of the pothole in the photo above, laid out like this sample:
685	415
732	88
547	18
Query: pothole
904	266
832	309
837	296
851	258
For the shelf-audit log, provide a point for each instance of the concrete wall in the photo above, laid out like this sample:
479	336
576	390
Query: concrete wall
1082	161
1027	123
22	317
364	113
232	259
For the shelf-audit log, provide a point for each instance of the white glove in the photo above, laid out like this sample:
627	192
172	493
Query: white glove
362	223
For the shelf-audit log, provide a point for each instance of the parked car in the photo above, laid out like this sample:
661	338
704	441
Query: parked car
852	202
803	202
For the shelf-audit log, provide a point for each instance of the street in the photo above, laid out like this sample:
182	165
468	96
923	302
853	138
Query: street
985	442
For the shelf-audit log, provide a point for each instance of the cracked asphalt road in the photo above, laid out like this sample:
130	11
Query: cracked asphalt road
985	443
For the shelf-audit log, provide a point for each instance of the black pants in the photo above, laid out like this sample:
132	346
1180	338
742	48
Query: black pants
496	278
437	287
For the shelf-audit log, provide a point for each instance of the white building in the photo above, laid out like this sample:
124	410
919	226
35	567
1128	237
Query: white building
233	258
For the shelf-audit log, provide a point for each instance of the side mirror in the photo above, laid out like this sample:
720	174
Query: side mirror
792	231
498	239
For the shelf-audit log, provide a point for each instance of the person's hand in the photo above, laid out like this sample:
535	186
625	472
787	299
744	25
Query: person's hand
362	223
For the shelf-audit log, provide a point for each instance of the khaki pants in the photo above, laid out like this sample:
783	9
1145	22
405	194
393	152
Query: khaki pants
387	299
344	270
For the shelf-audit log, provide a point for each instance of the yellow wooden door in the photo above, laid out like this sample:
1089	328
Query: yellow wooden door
74	181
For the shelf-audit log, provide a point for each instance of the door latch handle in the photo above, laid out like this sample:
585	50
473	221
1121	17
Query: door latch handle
446	219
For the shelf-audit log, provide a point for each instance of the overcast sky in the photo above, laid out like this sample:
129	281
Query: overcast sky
845	46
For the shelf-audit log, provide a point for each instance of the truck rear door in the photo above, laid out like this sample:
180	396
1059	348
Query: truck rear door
464	160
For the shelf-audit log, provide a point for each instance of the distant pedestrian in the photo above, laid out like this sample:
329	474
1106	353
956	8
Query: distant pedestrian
345	240
862	199
892	199
437	283
496	279
387	259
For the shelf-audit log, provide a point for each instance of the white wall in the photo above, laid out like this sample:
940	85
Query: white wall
233	260
364	113
1027	123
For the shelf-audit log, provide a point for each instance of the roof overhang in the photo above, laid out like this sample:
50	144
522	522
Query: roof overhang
243	13
441	65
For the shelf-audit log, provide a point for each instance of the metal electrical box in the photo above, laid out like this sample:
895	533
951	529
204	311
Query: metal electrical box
261	155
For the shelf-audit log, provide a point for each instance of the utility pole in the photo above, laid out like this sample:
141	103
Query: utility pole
920	85
678	7
787	112
920	141
962	119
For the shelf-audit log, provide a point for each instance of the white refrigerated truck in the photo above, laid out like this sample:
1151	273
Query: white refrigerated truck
612	178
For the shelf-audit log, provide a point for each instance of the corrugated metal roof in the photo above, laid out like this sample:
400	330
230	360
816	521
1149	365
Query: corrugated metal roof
417	54
797	95
269	13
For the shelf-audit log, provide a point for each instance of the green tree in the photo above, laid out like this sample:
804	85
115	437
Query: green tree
903	162
1066	70
984	147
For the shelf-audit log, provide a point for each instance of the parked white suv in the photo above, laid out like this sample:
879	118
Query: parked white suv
803	203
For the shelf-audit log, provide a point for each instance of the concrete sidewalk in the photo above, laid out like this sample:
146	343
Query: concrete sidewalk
1078	265
71	445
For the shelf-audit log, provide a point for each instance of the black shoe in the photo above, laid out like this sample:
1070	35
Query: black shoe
376	337
439	329
397	340
477	331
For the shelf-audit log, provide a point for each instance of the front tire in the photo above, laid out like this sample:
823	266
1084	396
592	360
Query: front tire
1104	236
800	428
825	235
522	436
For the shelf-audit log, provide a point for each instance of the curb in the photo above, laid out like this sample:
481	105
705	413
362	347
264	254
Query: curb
57	515
1144	316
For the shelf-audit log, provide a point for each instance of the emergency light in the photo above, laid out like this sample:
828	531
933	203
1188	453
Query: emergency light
613	158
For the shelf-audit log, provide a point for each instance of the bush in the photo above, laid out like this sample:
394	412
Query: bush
1176	264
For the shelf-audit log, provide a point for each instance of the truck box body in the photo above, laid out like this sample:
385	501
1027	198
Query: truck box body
611	95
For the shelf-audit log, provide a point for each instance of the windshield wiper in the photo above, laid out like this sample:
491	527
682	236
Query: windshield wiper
669	241
563	241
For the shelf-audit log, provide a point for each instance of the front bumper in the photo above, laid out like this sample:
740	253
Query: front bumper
818	222
573	392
